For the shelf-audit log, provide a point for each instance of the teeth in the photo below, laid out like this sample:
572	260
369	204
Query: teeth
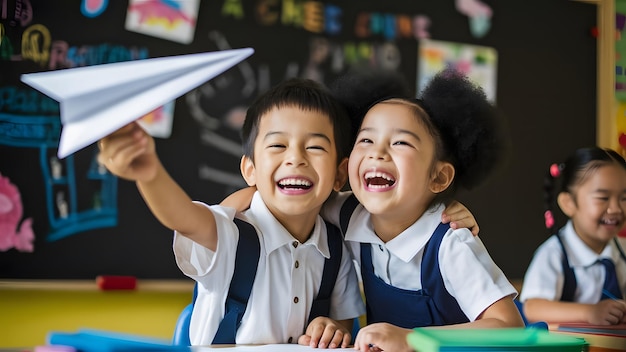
373	174
378	179
609	222
294	182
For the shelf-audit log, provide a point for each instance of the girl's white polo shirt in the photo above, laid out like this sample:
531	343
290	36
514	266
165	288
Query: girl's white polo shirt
544	276
469	273
287	279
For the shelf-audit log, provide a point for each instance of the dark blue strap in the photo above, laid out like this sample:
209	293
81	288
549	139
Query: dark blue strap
346	212
569	277
610	288
246	262
432	282
321	304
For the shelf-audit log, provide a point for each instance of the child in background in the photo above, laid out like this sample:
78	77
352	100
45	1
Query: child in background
295	147
409	158
566	280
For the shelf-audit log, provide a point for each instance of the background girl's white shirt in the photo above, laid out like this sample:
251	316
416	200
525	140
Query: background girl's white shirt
272	313
469	273
544	277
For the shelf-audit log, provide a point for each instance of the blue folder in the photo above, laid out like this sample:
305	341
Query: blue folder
87	340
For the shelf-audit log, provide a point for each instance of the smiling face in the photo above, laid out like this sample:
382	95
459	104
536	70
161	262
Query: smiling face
596	207
392	167
295	164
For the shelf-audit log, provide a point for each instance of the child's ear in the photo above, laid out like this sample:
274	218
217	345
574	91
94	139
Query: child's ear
566	203
442	177
248	171
342	175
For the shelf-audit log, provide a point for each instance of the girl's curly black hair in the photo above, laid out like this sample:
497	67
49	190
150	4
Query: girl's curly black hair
470	129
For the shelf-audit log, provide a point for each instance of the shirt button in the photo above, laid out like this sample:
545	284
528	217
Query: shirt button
290	339
295	244
297	264
380	247
295	300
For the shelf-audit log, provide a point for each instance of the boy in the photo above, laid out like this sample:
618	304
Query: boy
296	144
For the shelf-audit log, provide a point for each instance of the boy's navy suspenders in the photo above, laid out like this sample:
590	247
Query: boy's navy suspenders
321	303
246	263
569	278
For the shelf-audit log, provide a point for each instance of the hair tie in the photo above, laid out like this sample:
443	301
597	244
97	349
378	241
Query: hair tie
555	170
549	219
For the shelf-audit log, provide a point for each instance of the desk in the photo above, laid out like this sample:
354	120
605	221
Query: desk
597	342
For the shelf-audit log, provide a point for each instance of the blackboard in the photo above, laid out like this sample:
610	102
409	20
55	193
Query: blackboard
546	79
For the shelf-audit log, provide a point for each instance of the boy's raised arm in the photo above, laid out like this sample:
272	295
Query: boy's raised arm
130	153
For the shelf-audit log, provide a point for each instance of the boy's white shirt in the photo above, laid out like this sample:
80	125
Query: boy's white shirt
469	273
271	315
544	276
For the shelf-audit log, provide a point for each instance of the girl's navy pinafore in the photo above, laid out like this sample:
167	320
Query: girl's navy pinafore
432	305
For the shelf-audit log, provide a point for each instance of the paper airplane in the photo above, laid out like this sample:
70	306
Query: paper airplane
97	100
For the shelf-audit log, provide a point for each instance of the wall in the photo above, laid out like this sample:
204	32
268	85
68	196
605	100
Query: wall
87	223
30	310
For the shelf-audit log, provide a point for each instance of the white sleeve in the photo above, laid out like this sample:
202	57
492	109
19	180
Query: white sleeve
197	261
332	207
470	274
347	302
544	276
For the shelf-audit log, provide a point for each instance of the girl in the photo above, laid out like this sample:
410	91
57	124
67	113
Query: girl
565	279
409	158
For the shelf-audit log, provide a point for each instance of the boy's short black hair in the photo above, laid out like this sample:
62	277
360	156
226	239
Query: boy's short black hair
305	94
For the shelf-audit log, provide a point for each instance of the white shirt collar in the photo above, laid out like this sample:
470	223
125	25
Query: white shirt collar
407	244
583	255
274	233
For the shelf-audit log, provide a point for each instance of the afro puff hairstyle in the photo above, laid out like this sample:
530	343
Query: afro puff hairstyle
472	133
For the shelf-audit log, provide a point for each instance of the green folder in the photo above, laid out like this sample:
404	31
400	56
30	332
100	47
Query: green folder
505	339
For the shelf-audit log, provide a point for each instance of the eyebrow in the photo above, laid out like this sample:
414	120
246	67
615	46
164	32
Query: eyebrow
395	130
606	191
311	135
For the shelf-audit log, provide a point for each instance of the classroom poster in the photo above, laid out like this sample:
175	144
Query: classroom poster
166	19
479	63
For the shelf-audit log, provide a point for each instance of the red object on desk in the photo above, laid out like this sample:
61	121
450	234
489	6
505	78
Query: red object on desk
116	282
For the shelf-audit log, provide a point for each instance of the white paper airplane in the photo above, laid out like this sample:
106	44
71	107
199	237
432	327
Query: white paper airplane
97	100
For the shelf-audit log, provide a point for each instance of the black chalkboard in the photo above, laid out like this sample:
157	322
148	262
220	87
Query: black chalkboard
546	79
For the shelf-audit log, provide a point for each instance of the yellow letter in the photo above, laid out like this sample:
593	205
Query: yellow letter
36	44
292	13
233	8
313	16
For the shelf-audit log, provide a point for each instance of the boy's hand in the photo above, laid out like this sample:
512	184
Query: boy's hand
129	153
324	332
382	337
608	312
459	217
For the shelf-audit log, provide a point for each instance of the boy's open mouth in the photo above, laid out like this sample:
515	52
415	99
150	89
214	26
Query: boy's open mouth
611	222
293	183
